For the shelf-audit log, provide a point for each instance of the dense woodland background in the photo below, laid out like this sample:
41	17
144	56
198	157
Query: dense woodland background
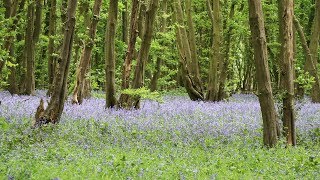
205	47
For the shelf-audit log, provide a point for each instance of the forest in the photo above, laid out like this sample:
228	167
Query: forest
159	89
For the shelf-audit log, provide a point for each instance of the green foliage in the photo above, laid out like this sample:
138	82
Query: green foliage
144	93
305	80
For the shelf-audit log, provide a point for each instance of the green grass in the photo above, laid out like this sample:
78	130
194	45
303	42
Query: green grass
87	150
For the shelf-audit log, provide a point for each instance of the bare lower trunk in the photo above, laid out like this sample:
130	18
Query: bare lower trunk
286	39
262	73
52	113
110	55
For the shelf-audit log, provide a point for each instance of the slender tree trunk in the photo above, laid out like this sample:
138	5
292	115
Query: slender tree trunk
213	84
85	59
307	53
125	22
29	51
52	113
126	68
110	55
138	80
262	73
142	18
51	45
156	74
286	39
314	50
191	81
195	71
225	63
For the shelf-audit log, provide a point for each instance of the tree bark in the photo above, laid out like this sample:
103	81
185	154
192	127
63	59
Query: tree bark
156	74
262	73
314	47
307	52
110	55
83	68
51	45
225	63
138	80
125	22
52	113
286	56
28	83
126	67
213	84
191	81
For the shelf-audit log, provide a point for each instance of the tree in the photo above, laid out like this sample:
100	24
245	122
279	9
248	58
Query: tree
213	84
307	52
83	68
110	55
139	73
286	56
224	65
192	81
314	47
156	74
126	67
262	73
51	45
55	107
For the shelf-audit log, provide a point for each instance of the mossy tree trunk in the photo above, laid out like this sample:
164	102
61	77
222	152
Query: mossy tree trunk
83	68
192	81
216	57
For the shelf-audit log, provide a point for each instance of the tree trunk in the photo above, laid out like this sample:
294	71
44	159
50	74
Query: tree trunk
110	55
28	83
225	63
52	113
213	84
286	56
314	47
125	22
307	53
83	68
138	80
156	74
262	73
51	45
192	82
126	68
142	18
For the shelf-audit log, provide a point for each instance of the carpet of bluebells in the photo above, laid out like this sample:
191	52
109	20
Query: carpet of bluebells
175	139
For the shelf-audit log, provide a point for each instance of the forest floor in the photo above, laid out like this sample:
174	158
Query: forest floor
175	139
